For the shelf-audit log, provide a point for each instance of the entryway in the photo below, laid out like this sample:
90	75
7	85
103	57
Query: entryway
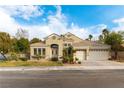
54	49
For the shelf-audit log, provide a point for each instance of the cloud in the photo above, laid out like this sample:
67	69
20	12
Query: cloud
7	24
57	23
96	30
25	12
120	24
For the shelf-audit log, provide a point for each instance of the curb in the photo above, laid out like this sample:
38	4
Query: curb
62	68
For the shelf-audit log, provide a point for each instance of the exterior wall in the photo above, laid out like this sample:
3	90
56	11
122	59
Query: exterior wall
94	55
120	54
32	51
85	49
51	41
55	39
75	39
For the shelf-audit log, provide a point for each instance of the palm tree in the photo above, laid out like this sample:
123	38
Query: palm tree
90	37
105	33
101	38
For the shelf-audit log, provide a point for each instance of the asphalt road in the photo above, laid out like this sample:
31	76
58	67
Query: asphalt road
62	79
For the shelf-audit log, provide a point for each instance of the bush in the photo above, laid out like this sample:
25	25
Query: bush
23	59
79	62
70	60
38	57
65	59
76	59
54	59
13	56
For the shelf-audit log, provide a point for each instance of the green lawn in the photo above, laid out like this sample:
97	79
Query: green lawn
28	63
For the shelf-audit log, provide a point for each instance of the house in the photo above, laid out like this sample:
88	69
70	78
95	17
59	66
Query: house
54	44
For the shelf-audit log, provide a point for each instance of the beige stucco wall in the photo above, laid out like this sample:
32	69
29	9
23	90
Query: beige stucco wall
32	51
49	41
59	41
75	39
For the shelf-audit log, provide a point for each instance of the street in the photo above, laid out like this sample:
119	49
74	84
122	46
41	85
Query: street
62	79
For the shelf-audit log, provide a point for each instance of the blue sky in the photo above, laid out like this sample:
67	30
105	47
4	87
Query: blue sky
81	20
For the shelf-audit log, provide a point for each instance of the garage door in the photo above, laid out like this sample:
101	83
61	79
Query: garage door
80	55
98	55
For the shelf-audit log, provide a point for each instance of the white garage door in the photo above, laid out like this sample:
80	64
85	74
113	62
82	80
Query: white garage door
80	55
98	55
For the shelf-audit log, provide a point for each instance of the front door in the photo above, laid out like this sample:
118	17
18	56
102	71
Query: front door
54	48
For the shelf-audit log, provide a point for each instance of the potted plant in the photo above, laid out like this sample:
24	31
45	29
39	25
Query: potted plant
76	59
79	62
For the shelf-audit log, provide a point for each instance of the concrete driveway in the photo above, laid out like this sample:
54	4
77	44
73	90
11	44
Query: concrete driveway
102	63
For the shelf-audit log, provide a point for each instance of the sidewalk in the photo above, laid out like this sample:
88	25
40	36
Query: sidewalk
62	68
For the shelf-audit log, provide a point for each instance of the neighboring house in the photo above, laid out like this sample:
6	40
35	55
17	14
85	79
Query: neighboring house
84	50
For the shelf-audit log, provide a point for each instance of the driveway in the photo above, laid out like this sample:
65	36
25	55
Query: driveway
102	63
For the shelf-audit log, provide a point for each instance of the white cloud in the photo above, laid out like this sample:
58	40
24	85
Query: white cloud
7	24
57	23
120	24
25	12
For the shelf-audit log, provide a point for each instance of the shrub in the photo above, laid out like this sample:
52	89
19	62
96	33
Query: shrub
13	56
76	59
79	62
65	59
70	59
54	59
23	59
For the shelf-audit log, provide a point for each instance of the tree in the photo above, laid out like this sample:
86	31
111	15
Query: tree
121	33
115	40
22	45
105	33
21	33
14	45
101	38
90	37
68	54
35	40
5	42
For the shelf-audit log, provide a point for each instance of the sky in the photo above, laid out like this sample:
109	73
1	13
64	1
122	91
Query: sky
81	20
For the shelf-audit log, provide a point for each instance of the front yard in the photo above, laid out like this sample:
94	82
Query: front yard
28	63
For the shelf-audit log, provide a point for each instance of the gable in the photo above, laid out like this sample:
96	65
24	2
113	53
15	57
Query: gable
52	36
72	37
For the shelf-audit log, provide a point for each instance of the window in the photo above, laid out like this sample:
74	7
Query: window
65	44
43	51
69	44
35	51
39	51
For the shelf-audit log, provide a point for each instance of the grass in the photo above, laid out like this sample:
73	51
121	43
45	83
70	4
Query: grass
28	63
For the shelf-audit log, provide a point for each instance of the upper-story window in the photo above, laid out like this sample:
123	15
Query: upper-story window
67	44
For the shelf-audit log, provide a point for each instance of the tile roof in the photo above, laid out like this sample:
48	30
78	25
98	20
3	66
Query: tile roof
39	44
88	43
